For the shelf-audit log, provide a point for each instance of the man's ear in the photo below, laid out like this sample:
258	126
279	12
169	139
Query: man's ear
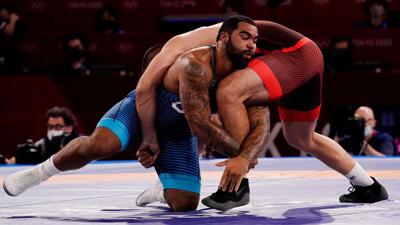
224	37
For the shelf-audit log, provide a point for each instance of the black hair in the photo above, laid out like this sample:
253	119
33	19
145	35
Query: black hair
65	113
75	35
231	23
149	55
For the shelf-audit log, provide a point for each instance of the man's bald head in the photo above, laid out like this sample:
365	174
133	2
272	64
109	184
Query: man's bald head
367	114
364	112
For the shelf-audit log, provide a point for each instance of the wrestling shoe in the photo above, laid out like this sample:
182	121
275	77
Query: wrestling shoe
369	194
19	182
150	195
224	200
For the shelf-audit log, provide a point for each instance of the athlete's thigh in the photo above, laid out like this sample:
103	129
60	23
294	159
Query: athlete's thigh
242	86
303	130
122	120
178	162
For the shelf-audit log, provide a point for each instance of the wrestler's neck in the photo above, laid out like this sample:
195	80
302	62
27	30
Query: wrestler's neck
224	65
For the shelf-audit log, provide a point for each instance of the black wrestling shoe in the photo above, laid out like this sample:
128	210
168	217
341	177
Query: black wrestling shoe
370	194
224	200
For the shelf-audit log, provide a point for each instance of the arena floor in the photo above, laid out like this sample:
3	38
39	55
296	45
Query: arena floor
283	191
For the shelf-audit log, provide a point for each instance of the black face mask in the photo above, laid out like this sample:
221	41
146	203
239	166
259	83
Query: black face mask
106	25
75	54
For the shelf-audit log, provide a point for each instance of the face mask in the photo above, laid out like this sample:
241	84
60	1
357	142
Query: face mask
106	25
367	131
54	133
76	54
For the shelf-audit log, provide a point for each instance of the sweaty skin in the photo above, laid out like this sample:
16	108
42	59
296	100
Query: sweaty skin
153	77
194	95
194	75
246	87
191	76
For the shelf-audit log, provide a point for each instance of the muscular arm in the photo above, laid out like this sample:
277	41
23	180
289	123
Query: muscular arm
275	36
253	132
146	91
194	97
257	138
153	75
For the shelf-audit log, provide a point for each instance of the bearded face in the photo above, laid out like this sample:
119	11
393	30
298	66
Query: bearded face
239	57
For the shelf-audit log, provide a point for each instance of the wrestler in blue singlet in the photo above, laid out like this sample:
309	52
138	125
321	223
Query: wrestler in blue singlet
178	163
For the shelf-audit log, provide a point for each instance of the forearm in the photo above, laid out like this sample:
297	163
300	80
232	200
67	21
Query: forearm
369	150
215	137
257	138
146	102
194	85
146	106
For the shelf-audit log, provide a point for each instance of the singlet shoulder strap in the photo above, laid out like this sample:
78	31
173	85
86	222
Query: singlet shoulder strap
214	65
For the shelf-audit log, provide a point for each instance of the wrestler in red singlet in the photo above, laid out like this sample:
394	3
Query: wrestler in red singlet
292	72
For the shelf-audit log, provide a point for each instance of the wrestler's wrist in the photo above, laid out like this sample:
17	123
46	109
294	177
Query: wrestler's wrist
149	136
245	156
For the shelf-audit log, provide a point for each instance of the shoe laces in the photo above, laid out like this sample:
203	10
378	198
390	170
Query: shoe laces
352	189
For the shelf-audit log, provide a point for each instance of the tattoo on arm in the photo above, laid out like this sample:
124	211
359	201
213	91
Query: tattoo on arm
196	103
257	138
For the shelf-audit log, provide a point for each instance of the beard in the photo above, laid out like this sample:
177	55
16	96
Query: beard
236	56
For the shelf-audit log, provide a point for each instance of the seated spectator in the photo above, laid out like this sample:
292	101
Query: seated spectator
376	12
61	129
370	141
107	21
11	31
339	55
76	48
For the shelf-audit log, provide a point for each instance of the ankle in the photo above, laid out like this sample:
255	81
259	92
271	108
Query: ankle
359	177
48	168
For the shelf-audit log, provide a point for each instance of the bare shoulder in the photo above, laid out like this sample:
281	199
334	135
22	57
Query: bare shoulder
196	61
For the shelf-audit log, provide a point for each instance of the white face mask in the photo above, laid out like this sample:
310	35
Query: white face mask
54	133
367	131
